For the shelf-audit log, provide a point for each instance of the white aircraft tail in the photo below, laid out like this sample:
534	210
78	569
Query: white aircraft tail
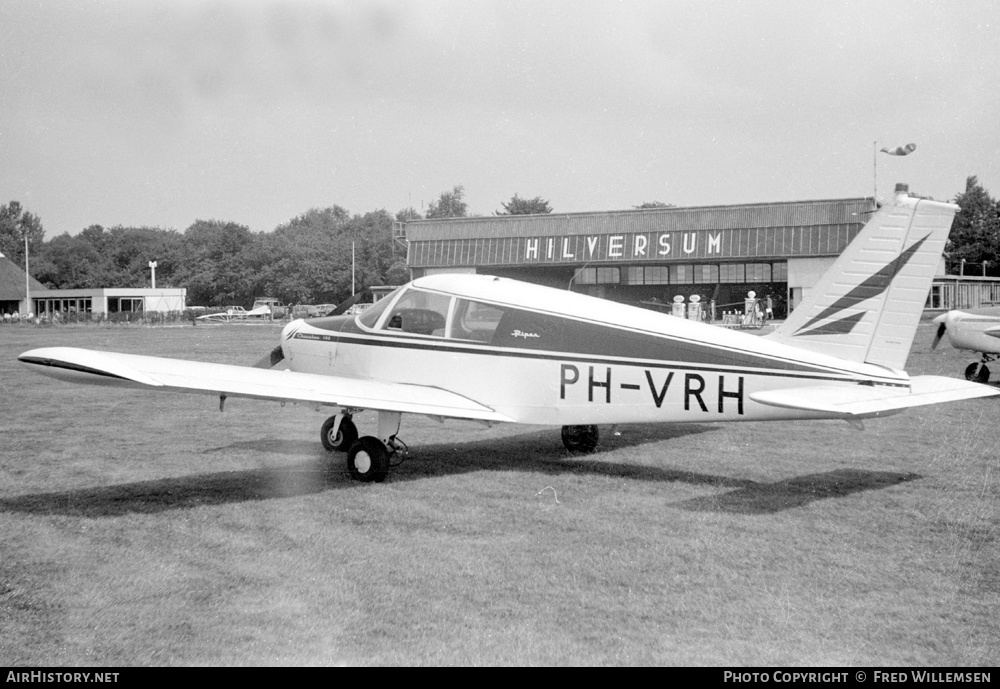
867	306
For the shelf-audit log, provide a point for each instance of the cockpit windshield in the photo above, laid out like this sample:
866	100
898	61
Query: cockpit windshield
370	317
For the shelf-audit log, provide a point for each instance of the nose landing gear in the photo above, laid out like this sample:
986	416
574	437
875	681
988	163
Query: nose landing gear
338	433
977	371
368	457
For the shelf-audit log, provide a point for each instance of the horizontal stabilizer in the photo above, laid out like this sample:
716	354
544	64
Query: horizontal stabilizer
862	401
135	371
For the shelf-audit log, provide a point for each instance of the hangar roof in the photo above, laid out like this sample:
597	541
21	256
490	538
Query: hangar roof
755	232
753	215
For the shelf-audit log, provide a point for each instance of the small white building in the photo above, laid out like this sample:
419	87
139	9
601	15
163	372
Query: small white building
109	300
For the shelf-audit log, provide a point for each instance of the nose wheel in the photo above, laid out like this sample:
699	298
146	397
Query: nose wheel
338	437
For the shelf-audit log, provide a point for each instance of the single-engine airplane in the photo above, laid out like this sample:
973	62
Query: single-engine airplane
495	350
977	330
230	313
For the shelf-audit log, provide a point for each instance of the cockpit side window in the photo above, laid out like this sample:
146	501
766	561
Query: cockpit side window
475	321
420	313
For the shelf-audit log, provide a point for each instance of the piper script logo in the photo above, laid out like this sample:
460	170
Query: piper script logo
518	333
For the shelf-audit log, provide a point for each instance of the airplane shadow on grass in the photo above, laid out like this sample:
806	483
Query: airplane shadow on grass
539	451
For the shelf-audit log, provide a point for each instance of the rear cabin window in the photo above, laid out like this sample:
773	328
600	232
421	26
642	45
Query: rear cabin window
475	321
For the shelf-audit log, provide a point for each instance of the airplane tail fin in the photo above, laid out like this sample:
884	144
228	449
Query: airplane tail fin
867	306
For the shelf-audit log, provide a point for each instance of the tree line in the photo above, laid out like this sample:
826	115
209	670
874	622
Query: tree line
317	257
308	260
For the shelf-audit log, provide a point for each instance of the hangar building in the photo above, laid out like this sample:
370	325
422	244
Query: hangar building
651	255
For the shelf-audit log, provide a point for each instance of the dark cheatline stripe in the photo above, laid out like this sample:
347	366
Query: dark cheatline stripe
872	287
561	336
456	346
839	327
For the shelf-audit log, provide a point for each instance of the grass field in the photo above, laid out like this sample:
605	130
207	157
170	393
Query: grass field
140	528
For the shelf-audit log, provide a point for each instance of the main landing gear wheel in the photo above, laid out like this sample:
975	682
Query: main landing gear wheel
368	460
344	437
582	439
977	372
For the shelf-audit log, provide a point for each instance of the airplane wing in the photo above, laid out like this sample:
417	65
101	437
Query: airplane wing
135	371
863	401
993	332
223	316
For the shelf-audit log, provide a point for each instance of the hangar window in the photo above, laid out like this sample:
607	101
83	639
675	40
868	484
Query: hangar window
648	275
706	274
605	275
758	272
732	272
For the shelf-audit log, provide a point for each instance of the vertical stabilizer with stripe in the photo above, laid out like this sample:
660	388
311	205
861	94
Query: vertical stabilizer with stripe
867	306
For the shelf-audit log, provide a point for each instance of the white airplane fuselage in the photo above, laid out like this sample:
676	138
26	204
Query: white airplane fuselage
975	331
559	358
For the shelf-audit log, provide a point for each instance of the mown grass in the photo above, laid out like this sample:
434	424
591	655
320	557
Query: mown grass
149	529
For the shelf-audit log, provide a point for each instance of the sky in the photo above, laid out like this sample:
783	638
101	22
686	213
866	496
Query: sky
159	114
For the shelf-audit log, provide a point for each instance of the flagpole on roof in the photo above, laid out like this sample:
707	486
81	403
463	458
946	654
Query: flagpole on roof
875	172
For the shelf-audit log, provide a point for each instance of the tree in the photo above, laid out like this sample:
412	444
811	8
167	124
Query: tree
653	204
975	231
449	204
130	249
70	263
397	274
15	223
407	214
211	263
519	206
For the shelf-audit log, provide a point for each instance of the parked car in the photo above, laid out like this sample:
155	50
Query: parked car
267	306
303	311
311	310
323	309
